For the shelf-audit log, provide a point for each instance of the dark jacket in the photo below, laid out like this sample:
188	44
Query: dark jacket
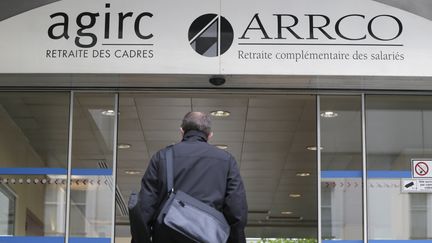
201	170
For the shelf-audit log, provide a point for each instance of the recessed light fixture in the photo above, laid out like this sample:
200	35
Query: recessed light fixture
134	172
108	112
221	146
294	195
329	114
303	174
286	213
313	148
124	146
220	113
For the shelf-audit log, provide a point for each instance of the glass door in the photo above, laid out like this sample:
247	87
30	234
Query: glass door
33	166
399	130
341	160
271	137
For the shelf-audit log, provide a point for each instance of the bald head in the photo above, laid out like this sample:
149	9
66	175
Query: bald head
198	121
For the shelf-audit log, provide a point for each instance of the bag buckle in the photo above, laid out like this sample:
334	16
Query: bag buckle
171	191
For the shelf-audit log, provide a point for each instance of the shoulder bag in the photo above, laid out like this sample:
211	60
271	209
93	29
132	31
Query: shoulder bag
189	216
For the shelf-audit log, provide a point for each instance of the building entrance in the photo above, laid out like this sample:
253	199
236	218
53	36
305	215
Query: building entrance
272	137
315	167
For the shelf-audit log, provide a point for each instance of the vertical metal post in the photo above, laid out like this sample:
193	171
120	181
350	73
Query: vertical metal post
364	189
219	37
69	167
318	142
114	166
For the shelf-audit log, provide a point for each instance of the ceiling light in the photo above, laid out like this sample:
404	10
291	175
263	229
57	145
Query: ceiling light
293	195
220	113
329	114
286	213
313	148
108	112
303	174
221	146
124	146
134	172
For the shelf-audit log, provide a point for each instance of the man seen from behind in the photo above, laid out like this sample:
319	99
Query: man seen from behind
203	171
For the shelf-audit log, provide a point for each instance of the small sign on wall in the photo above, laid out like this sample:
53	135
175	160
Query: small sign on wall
421	168
416	185
421	181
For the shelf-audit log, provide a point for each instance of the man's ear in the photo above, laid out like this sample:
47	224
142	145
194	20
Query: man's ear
210	135
181	131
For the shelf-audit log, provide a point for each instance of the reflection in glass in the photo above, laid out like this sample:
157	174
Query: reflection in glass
7	210
92	165
341	163
91	205
33	162
40	210
398	129
34	130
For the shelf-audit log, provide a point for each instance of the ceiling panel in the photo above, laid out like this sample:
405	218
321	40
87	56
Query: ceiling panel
130	124
220	101
293	114
221	137
133	155
266	147
268	136
167	102
271	126
236	113
261	165
264	182
128	112
131	135
169	112
126	100
95	101
257	187
136	145
160	124
270	156
164	135
48	111
285	102
269	173
140	164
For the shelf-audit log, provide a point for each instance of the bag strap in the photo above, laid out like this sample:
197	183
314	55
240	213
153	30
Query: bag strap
169	169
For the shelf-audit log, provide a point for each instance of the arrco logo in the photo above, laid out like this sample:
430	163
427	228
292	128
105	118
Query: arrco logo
211	35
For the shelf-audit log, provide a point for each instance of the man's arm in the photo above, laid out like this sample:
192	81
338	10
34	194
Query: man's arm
235	205
148	202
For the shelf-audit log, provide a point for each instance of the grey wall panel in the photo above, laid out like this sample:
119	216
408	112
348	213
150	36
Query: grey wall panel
10	8
419	7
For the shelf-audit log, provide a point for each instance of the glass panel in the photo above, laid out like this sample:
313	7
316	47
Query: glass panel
399	128
7	211
33	163
267	134
341	165
92	164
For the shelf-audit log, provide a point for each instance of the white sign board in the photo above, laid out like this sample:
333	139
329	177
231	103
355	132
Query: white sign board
421	168
274	37
416	185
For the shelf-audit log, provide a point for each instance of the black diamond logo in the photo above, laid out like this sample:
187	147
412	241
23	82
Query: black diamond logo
211	35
